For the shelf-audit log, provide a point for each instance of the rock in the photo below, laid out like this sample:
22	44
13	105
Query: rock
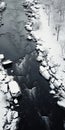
44	63
9	116
15	114
1	56
14	87
29	38
52	86
28	27
2	6
53	70
14	124
15	101
52	80
52	92
57	83
39	58
61	103
7	127
44	72
7	63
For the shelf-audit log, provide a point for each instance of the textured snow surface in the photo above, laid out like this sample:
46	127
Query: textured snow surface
52	64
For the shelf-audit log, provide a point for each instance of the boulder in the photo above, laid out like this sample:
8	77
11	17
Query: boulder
2	6
7	63
14	87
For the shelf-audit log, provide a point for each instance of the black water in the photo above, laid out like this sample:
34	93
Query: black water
15	46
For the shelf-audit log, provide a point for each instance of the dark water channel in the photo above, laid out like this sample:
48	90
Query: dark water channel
37	110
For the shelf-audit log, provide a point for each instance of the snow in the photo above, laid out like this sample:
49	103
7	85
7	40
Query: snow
51	56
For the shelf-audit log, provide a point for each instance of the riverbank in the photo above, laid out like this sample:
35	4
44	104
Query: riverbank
50	55
9	92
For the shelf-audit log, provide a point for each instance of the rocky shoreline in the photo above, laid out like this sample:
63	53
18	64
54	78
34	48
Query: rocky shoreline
52	64
9	93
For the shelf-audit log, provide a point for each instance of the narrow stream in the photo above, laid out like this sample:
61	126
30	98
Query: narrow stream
14	45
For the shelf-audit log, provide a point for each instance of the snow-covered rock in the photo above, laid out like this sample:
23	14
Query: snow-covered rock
57	83
15	101
61	103
7	62
28	27
44	72
14	87
52	86
9	116
52	92
2	6
44	63
29	37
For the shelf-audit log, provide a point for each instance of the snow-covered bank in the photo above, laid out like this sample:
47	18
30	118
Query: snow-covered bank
52	64
9	91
